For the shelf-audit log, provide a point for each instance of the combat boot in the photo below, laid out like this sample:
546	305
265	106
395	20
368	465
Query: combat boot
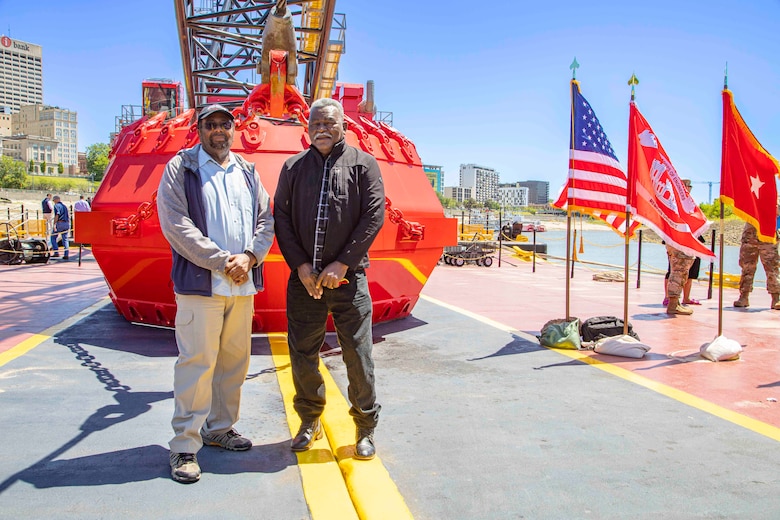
674	307
743	300
775	301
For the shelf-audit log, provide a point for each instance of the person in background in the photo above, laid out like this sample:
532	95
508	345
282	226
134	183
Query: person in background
48	214
61	229
680	265
329	207
216	215
693	274
750	250
82	205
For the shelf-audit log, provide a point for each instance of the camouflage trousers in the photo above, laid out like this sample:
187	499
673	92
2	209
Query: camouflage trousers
679	265
750	250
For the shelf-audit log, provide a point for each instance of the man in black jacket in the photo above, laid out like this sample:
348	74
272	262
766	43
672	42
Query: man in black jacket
328	209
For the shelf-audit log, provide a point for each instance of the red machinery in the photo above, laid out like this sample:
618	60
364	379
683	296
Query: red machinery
124	230
271	125
161	95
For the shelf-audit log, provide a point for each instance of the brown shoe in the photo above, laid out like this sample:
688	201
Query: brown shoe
674	307
307	434
742	301
775	301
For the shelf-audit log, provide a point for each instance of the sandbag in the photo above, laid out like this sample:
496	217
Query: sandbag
721	349
624	346
560	333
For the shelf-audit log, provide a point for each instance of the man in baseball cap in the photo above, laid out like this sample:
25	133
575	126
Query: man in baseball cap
214	109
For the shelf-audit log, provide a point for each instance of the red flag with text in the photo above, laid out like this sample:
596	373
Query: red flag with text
657	196
747	173
596	184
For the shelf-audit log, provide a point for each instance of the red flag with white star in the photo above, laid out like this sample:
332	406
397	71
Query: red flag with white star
747	173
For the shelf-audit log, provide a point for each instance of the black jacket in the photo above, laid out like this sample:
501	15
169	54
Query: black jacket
356	206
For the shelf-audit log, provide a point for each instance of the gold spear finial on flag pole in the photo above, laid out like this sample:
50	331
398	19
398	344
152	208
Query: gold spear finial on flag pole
633	81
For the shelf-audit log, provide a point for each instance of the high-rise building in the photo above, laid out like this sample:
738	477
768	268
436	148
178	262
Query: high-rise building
21	73
56	123
435	176
513	195
538	191
482	181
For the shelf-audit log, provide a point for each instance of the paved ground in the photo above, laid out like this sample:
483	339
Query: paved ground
478	421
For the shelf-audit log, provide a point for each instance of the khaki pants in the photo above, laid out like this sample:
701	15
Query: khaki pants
214	336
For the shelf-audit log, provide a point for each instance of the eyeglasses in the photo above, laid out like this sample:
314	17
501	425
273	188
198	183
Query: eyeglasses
210	125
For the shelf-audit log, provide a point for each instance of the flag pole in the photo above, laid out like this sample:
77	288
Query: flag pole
722	225
574	66
633	81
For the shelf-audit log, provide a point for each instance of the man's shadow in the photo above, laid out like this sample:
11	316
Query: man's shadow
140	463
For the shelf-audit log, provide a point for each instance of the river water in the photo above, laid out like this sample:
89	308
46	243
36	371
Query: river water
606	247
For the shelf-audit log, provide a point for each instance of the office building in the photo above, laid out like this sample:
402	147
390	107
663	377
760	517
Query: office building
435	176
54	122
512	195
5	121
21	74
538	191
482	181
28	148
457	193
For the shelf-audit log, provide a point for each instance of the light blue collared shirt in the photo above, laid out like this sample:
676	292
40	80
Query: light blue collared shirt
229	217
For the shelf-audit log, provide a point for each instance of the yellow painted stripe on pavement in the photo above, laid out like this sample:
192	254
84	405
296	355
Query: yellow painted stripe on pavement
324	489
374	495
739	419
373	491
36	339
22	348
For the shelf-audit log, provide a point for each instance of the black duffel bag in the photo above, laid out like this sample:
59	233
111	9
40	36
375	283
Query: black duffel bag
599	327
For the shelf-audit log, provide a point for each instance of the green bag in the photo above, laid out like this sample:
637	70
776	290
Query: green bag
561	334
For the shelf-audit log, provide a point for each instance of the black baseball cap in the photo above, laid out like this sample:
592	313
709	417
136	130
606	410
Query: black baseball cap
214	109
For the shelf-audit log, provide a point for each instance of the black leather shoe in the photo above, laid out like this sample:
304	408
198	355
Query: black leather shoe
364	447
307	434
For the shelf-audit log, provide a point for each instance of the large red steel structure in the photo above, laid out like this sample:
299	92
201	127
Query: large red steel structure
124	230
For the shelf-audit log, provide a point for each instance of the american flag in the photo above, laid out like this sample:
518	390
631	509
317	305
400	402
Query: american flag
596	184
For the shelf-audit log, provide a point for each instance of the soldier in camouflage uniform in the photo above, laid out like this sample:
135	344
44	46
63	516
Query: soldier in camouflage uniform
750	250
679	265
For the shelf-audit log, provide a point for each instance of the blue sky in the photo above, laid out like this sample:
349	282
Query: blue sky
489	86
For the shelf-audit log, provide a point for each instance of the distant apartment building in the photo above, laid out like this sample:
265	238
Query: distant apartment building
54	122
513	195
483	182
538	191
457	193
435	176
21	74
33	148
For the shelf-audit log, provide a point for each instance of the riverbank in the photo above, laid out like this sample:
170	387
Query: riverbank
13	200
732	232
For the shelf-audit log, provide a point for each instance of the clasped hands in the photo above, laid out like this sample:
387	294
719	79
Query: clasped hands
330	278
238	267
